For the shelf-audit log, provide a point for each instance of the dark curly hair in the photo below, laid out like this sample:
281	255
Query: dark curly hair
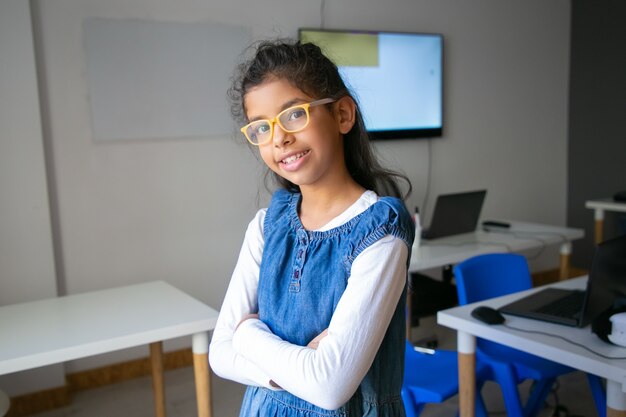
306	67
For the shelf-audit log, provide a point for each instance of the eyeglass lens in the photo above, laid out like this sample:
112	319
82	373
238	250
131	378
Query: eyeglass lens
291	120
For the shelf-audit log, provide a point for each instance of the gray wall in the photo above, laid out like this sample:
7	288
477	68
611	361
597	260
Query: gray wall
597	132
27	269
176	208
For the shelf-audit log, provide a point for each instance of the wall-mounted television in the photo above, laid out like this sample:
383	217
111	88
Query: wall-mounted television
397	78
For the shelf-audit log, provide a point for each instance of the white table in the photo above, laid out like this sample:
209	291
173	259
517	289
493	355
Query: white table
55	330
519	237
599	207
546	346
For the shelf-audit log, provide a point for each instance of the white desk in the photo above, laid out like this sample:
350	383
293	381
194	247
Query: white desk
519	237
545	346
60	329
599	207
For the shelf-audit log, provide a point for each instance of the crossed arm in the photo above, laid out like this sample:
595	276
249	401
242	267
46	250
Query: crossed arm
328	371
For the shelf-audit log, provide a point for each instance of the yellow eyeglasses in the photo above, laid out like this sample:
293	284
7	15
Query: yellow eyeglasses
291	120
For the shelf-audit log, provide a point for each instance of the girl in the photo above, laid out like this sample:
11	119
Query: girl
313	319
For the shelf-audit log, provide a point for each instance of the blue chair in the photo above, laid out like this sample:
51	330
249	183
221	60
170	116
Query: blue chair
433	378
493	275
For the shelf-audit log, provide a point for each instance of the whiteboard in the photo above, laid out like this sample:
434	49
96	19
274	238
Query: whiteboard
149	79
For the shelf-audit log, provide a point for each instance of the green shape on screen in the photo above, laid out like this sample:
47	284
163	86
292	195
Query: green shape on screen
345	49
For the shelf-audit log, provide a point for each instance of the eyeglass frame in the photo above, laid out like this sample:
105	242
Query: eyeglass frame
276	120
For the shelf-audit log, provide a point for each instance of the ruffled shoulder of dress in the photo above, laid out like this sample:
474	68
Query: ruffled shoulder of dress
281	206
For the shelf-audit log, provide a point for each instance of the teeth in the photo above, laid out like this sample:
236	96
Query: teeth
293	158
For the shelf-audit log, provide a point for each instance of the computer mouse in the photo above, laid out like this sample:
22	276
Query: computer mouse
487	315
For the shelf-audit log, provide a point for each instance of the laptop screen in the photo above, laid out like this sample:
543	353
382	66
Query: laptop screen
455	214
607	279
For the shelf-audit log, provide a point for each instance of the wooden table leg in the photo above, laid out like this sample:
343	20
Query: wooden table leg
599	225
203	373
156	359
615	399
467	374
566	250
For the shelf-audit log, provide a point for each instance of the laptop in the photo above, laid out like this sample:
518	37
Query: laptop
455	214
606	284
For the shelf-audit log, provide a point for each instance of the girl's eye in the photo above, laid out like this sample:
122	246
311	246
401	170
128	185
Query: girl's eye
261	128
296	114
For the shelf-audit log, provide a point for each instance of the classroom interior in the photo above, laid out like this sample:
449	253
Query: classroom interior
534	93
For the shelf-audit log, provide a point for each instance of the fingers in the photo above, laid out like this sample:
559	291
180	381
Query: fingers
246	317
313	344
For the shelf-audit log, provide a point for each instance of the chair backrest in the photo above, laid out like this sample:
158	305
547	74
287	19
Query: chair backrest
492	275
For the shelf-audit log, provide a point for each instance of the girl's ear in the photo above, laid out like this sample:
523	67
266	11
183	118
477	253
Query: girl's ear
345	111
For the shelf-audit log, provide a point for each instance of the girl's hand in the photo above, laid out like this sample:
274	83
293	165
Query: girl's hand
316	341
246	317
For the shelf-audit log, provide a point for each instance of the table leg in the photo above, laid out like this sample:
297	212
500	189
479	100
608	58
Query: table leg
158	387
200	347
566	251
599	225
615	399
467	374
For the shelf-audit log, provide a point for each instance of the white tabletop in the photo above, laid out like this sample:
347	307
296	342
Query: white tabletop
519	237
59	329
548	344
606	204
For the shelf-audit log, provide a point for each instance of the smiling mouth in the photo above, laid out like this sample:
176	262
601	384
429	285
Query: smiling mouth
294	158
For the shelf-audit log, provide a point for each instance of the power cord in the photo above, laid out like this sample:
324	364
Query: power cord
531	236
562	411
428	178
566	340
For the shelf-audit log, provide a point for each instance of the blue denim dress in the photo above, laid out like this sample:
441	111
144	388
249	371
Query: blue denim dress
302	277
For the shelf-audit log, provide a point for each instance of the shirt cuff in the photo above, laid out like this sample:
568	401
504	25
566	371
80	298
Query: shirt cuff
246	340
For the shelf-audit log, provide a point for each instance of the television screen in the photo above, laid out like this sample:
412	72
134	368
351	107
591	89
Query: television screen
397	78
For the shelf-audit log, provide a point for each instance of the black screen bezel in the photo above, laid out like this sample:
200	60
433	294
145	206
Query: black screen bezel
393	134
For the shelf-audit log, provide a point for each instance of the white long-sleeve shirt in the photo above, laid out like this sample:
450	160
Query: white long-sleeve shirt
329	375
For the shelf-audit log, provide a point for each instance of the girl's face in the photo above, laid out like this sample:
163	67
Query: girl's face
312	157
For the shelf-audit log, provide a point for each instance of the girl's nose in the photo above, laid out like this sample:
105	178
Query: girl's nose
281	138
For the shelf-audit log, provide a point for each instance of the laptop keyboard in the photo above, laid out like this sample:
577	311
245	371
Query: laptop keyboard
570	306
